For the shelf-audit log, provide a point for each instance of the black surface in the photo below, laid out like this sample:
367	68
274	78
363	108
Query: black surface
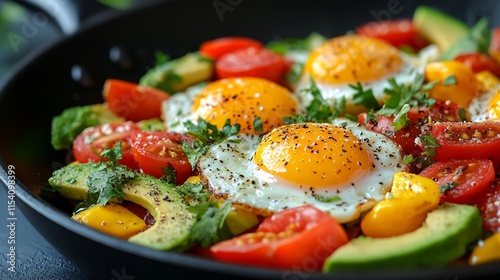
45	78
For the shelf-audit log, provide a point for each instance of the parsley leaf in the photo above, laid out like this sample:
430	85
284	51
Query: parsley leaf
450	80
448	186
430	144
318	110
211	228
257	125
326	198
170	174
401	120
364	97
113	154
206	134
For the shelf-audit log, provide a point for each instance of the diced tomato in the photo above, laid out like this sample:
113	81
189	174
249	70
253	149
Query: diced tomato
466	140
478	62
155	150
216	48
292	239
488	202
404	137
461	180
251	62
91	142
397	32
132	101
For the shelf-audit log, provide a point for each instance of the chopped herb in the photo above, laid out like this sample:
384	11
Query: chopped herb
257	125
448	186
113	154
170	174
325	198
430	146
309	43
211	227
318	110
451	80
462	114
196	192
408	159
364	97
401	120
293	75
206	134
161	57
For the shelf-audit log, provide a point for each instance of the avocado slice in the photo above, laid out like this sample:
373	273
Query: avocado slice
178	74
438	27
173	220
444	237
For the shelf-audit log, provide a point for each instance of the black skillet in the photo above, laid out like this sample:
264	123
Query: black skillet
72	71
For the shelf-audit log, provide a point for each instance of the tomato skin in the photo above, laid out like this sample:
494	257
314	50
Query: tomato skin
132	101
251	62
471	176
478	62
89	144
156	149
216	48
397	32
488	203
313	238
404	137
453	145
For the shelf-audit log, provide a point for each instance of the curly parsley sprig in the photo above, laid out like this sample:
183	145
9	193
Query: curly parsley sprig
319	110
206	134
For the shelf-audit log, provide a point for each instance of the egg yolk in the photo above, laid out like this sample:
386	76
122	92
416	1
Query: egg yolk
494	106
314	154
243	101
352	58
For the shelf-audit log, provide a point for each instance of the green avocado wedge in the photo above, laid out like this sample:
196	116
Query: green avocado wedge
443	238
173	221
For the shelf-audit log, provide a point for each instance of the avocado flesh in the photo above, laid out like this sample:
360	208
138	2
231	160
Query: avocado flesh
173	220
178	74
444	237
438	27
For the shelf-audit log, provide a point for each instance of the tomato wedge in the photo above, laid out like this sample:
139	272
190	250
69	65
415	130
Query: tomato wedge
132	101
478	62
216	48
157	149
397	32
89	144
466	140
461	180
298	238
488	203
251	62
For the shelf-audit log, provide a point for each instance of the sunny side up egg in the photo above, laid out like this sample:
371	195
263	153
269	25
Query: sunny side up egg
341	168
345	60
242	100
486	105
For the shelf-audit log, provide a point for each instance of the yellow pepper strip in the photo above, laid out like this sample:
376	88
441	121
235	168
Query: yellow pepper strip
404	209
486	251
112	219
487	80
457	82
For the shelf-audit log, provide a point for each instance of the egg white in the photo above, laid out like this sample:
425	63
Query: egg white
479	110
333	93
229	171
176	110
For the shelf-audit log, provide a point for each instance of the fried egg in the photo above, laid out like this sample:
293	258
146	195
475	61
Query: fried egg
242	100
486	105
339	167
345	60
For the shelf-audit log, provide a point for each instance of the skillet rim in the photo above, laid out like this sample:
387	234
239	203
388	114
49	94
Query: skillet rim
182	260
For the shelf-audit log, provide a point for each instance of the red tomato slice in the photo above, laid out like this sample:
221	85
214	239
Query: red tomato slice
155	150
397	32
140	212
495	39
132	101
462	140
404	137
298	238
90	143
461	180
252	62
478	62
488	203
218	47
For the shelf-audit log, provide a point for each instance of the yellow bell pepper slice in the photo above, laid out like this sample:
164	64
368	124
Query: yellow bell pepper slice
112	219
486	251
405	207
